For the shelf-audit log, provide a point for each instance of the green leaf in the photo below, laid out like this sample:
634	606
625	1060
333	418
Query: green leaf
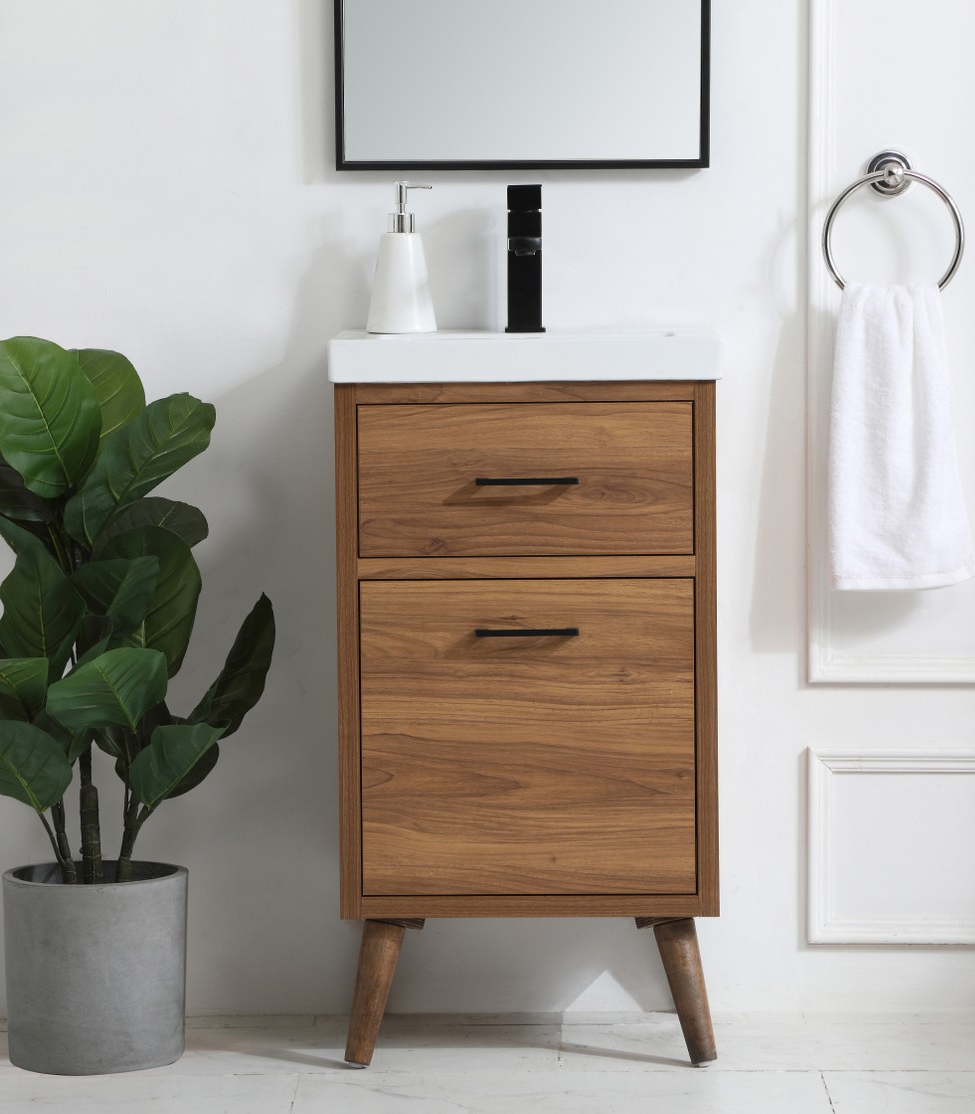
181	518
17	501
125	745
158	715
138	456
241	681
169	621
80	742
49	415
33	766
51	727
40	532
21	539
72	743
119	589
93	638
23	686
42	612
113	741
117	386
158	770
114	690
198	773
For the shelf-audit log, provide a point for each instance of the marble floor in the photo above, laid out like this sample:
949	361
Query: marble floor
768	1064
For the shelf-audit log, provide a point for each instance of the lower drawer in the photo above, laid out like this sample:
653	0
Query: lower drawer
549	763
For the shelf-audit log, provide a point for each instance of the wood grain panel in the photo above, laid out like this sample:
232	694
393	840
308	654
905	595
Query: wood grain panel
519	568
528	765
599	390
347	634
706	644
535	905
418	466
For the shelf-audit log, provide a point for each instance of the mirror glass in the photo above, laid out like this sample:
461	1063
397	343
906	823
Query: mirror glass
521	83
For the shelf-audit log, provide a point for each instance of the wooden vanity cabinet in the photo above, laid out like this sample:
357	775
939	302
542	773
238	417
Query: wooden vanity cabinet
526	618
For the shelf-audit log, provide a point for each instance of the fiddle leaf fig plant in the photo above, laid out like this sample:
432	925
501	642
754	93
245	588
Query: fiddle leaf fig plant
99	607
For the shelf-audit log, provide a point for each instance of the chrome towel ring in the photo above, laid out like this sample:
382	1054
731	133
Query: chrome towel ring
890	173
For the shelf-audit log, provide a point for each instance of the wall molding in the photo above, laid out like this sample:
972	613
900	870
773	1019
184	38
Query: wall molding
826	925
818	340
824	663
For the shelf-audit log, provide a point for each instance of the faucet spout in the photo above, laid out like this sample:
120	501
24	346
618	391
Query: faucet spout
524	259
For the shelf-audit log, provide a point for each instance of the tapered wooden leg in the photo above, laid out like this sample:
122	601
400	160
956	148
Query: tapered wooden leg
378	953
681	956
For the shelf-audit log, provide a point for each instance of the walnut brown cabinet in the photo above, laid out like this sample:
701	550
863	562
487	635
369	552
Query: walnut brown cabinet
526	602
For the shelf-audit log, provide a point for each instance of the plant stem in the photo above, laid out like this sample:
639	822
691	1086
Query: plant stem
65	858
61	545
91	839
62	852
134	820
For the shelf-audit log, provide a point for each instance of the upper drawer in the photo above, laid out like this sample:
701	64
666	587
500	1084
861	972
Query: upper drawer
449	480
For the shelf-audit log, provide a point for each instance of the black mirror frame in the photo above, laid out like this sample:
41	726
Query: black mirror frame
703	160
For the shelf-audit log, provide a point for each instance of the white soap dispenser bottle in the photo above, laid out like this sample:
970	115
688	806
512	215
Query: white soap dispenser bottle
401	300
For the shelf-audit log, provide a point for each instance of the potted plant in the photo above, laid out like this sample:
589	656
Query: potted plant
96	618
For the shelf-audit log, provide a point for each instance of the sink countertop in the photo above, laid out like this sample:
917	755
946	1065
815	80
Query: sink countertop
356	356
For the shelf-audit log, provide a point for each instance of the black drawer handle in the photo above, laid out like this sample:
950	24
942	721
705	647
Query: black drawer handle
528	632
525	481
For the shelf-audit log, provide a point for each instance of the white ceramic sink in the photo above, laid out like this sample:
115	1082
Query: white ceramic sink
481	357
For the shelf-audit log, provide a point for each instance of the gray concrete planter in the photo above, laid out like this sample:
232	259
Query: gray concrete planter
96	975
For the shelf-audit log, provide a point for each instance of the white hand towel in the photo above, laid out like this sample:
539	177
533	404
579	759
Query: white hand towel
897	516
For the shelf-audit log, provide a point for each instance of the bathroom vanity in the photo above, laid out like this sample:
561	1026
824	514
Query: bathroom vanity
526	624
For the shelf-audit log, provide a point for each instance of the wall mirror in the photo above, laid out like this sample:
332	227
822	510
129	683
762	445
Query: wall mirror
504	84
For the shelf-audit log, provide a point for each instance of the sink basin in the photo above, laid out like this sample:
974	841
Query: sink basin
482	357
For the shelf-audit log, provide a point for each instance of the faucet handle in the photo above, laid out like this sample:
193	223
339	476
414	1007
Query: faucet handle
524	245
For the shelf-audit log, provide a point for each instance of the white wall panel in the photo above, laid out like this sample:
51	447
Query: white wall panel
889	74
889	840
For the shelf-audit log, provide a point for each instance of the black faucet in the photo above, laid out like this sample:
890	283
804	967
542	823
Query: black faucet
524	259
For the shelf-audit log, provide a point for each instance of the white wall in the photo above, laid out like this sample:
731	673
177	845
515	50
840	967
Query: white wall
166	189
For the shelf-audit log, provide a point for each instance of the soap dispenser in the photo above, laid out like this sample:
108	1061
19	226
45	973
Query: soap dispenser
401	300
